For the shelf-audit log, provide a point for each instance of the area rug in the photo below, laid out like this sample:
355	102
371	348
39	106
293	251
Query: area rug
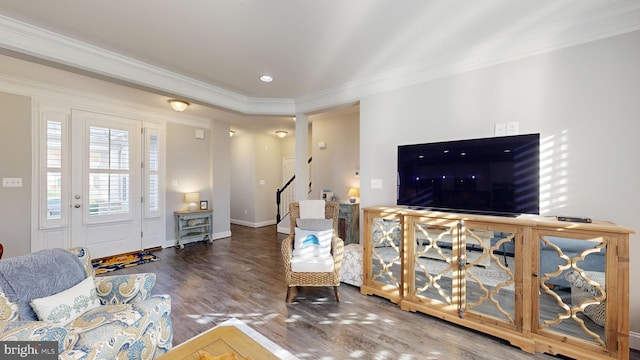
112	263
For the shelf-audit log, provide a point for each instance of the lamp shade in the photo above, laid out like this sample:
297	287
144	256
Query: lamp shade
353	194
192	199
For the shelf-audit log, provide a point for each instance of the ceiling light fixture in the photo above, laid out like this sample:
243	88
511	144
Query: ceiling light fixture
178	105
231	132
281	133
266	78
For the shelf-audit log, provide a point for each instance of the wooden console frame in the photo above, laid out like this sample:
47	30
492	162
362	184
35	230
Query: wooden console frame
525	331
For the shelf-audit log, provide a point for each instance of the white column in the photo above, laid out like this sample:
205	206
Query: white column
302	156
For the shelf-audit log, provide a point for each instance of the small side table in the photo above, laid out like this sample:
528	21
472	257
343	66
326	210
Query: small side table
196	224
349	223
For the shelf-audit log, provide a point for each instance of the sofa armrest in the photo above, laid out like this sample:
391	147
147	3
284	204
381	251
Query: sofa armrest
37	331
123	289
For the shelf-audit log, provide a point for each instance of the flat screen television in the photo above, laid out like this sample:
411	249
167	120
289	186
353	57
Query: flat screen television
496	176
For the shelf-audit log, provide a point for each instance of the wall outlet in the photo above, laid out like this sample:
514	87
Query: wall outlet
11	182
500	129
513	128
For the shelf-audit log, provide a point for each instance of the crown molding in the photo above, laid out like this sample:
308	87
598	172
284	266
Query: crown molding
498	51
24	38
73	99
30	40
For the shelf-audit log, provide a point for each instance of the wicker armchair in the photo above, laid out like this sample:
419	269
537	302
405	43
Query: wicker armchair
296	279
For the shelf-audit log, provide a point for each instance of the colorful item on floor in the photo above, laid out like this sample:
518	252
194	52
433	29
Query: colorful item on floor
112	263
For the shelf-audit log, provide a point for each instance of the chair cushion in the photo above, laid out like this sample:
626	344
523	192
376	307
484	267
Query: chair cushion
312	209
66	306
312	263
315	224
315	243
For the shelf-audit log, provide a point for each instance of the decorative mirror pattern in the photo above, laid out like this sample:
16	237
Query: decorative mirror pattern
572	287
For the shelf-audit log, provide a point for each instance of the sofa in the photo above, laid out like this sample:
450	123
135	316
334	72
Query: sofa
107	317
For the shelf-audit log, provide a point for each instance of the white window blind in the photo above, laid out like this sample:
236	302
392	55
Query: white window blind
109	177
54	170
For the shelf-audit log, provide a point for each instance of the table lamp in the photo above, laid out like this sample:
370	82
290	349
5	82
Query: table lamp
192	199
353	194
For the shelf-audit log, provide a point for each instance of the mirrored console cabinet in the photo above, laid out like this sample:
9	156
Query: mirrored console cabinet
541	284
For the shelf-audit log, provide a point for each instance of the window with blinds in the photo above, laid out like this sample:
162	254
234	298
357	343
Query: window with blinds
109	171
153	177
54	162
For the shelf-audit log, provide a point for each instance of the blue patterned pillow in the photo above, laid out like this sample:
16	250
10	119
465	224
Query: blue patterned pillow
312	243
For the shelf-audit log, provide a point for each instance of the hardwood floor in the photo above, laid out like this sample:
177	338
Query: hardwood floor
242	277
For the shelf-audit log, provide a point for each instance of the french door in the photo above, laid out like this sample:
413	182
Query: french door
94	189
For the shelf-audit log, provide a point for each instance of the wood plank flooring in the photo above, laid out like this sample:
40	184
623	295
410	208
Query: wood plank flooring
242	277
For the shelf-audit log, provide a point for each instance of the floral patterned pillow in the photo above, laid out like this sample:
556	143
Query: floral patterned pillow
66	306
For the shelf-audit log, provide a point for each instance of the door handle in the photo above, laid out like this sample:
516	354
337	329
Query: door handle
77	206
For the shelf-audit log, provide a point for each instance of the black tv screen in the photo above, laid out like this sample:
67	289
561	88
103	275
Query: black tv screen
498	176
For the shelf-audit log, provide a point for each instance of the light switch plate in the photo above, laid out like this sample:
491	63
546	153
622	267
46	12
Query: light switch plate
500	129
11	182
376	183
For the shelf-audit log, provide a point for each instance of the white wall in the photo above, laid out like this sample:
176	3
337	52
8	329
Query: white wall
584	101
256	173
220	171
268	177
15	162
243	174
334	167
188	161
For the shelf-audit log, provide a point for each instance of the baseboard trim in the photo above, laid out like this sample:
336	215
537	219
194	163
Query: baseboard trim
221	235
253	224
214	236
634	340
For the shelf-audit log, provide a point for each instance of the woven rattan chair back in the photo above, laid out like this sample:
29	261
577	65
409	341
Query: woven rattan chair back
298	279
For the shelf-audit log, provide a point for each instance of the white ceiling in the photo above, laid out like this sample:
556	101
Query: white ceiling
320	53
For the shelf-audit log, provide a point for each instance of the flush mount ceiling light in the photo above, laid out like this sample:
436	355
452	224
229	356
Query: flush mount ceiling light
178	105
266	78
231	132
281	133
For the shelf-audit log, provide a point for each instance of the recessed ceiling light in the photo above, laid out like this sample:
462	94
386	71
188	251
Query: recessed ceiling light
266	78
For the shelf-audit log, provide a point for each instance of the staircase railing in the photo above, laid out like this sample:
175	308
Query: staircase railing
286	195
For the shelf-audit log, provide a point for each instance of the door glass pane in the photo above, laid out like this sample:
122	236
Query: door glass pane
153	153
109	187
154	193
54	144
54	195
119	149
54	168
153	168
